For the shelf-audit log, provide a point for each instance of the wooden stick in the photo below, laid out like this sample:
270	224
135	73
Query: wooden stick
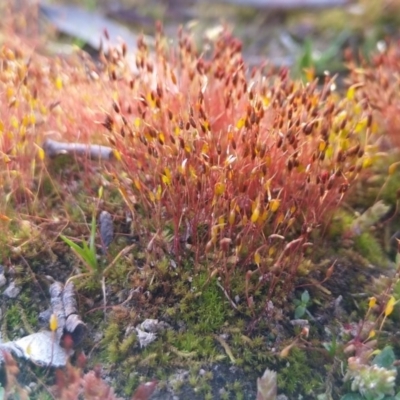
53	149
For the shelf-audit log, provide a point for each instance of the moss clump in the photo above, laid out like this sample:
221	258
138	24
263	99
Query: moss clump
300	373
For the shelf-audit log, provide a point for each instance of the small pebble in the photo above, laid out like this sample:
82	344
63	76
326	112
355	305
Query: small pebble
3	280
12	291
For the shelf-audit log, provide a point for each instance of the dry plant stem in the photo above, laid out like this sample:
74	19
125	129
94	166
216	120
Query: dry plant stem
53	149
227	296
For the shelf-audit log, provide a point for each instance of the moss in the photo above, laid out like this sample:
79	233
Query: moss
369	247
204	306
300	373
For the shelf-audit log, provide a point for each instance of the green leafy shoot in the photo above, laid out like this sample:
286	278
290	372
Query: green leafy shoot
301	305
86	253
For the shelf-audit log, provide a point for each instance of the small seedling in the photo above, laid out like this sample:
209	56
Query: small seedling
301	305
86	253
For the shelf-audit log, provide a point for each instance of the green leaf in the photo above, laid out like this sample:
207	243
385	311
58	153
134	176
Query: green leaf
93	234
299	311
305	297
84	253
385	358
331	347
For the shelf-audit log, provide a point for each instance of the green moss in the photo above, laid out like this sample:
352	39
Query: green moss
204	307
299	375
369	247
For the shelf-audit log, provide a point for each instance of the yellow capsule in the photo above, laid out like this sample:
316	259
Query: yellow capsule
219	189
255	215
232	217
53	323
274	204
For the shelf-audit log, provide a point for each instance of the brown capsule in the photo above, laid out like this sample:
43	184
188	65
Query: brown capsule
369	120
203	128
202	113
341	156
360	153
314	156
308	128
253	118
149	67
314	112
143	101
113	75
331	182
324	133
251	95
173	77
131	83
108	123
143	140
170	115
181	143
235	79
289	165
353	150
124	49
192	122
219	150
321	190
152	132
343	187
116	107
264	170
